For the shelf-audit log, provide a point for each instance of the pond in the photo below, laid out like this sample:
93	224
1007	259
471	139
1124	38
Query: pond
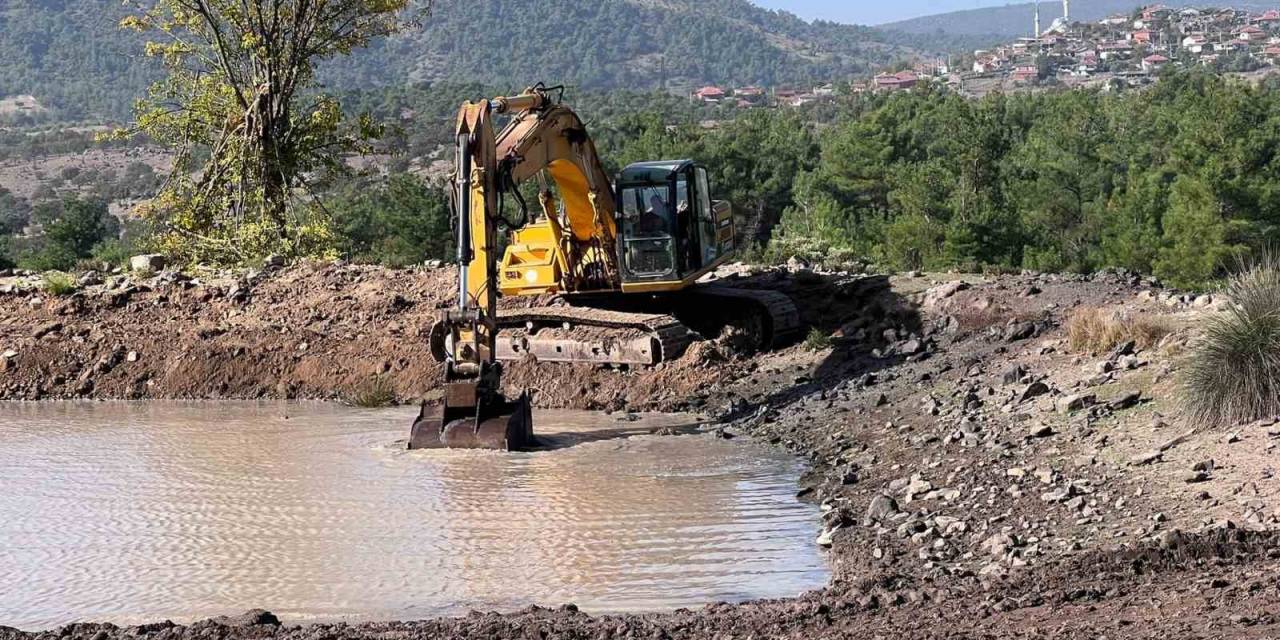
135	512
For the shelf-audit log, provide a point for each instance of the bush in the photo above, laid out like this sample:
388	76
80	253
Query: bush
57	283
1233	374
817	340
1094	330
373	393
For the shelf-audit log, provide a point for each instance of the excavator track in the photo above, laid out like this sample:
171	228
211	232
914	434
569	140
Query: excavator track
662	338
637	338
780	318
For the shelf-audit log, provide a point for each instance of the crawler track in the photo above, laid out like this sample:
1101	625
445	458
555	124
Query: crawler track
773	317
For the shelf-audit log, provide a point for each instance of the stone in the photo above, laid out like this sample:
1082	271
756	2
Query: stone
1059	494
1076	402
1123	349
46	329
1129	363
918	487
251	618
1146	458
1040	431
827	538
148	263
1126	401
1013	375
910	347
1033	390
1170	540
1020	331
942	292
882	508
999	544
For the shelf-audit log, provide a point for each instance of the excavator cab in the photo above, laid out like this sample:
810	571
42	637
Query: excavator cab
671	231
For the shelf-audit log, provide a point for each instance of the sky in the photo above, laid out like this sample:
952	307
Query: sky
873	11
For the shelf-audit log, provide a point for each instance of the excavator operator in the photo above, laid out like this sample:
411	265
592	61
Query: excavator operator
656	219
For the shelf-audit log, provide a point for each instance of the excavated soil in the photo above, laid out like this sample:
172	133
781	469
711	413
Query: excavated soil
979	477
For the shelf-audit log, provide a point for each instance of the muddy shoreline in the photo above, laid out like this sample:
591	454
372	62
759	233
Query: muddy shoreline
979	478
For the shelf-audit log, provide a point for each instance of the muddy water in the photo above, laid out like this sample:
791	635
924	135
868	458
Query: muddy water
137	512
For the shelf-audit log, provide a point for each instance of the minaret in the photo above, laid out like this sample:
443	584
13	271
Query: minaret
1066	10
1036	34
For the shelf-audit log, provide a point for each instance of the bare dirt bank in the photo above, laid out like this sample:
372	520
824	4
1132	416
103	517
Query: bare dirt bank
980	478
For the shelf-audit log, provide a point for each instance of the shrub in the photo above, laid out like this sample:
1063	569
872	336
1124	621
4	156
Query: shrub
57	283
817	340
1232	375
1094	330
373	393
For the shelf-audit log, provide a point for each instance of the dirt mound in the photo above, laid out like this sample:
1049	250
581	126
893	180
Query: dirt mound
313	331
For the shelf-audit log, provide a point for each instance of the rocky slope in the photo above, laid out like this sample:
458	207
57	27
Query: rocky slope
982	472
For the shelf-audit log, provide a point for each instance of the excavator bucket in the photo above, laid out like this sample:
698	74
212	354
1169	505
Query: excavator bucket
467	420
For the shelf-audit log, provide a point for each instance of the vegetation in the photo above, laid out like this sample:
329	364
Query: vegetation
1233	374
1094	331
68	55
73	229
817	340
1175	181
376	392
398	222
240	83
58	283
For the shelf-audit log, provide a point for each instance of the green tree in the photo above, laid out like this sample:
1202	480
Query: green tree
399	222
240	83
72	228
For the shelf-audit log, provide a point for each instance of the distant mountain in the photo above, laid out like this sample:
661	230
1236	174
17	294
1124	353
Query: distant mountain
999	24
70	55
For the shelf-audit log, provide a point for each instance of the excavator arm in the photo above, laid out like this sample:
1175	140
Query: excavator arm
474	412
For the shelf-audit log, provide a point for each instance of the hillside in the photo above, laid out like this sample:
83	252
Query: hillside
70	56
997	24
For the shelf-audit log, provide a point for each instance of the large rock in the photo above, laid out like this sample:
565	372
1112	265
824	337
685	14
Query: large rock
150	262
1076	402
882	508
941	292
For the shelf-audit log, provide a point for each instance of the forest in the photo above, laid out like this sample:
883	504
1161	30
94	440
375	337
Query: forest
1179	180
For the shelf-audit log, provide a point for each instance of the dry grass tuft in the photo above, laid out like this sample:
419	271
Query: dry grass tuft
1094	330
1232	375
373	393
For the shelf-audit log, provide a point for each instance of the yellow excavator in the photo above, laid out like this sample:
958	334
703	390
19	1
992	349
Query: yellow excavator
610	268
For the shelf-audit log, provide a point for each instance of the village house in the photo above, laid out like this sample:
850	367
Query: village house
896	81
1115	50
1154	62
1026	73
1251	33
751	95
1143	36
710	94
1268	20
